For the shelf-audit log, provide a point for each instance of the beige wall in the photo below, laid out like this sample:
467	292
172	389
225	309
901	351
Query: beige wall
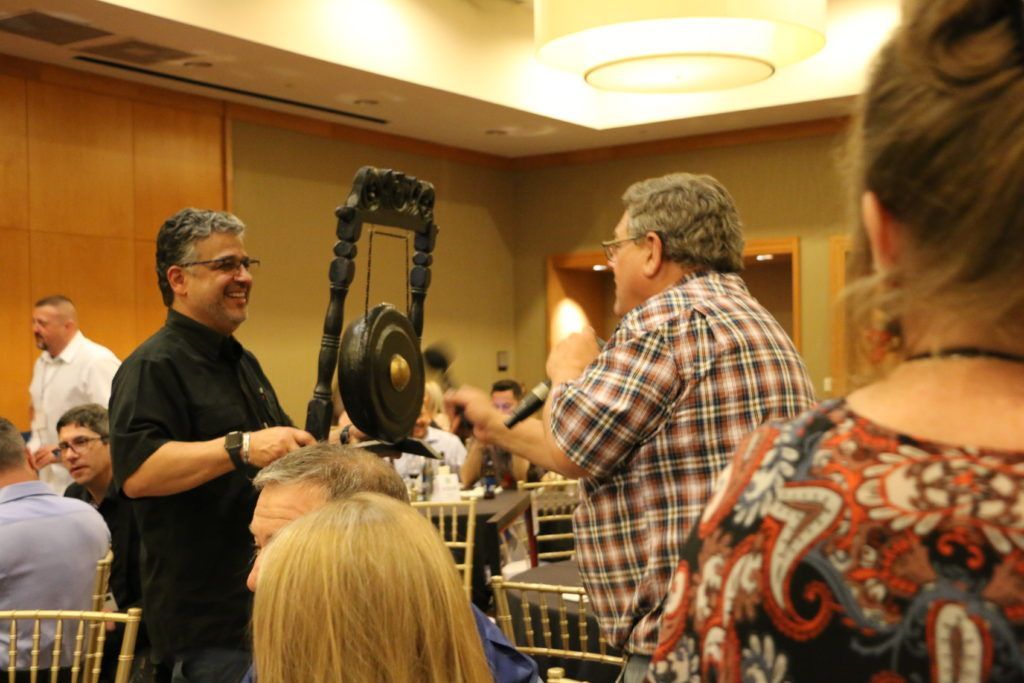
498	225
782	188
287	185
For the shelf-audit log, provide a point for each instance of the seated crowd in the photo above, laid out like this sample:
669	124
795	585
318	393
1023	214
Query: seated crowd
728	528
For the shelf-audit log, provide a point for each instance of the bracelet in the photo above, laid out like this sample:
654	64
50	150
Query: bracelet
245	447
343	437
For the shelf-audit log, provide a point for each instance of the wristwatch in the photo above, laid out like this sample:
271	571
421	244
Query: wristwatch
233	445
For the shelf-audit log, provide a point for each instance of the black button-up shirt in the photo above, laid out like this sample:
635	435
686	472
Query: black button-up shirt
189	383
125	577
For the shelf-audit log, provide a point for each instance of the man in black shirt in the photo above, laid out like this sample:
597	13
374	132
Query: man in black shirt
192	414
85	449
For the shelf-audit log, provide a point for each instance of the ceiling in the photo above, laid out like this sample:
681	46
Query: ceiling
460	73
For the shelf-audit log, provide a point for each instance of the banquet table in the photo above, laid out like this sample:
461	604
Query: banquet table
492	517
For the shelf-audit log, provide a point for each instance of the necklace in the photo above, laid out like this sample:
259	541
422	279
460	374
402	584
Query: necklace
968	352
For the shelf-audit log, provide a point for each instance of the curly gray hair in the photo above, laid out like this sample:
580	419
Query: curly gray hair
695	217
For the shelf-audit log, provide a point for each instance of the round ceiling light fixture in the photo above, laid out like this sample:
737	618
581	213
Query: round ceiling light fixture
676	46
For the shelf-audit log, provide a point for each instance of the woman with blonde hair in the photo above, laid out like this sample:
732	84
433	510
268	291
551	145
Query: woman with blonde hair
363	590
880	537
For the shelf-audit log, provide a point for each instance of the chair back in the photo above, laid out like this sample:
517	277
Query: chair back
456	522
553	503
557	673
545	629
102	583
46	632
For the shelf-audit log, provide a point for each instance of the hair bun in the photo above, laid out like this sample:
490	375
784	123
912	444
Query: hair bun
977	44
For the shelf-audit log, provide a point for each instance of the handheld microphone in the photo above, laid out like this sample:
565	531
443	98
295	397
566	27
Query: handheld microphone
530	403
534	400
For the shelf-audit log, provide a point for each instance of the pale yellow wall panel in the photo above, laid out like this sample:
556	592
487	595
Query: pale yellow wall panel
13	154
80	162
178	163
15	320
98	274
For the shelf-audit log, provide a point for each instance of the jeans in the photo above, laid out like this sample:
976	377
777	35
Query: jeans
210	665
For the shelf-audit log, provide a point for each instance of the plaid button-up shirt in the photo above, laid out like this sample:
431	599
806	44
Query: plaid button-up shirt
653	420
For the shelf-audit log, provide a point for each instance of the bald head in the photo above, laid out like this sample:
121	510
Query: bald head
54	323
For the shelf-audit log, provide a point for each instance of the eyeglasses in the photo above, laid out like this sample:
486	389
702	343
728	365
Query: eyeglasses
75	444
611	247
226	264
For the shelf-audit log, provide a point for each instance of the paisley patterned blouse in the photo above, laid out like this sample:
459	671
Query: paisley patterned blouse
837	550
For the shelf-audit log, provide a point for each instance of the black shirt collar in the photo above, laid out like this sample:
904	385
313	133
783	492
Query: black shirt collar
208	341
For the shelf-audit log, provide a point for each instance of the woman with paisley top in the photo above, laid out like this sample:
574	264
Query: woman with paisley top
880	537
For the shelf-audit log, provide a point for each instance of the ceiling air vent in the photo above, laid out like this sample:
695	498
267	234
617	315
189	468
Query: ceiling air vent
50	29
137	52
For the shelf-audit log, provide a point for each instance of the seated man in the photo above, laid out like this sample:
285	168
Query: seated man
49	547
508	468
84	433
313	476
410	466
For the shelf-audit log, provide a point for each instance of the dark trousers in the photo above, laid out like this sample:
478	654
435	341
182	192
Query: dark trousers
210	665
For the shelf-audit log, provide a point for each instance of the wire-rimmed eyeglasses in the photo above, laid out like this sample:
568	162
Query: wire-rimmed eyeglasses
226	264
611	247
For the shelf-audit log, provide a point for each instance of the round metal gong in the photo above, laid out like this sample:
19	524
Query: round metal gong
381	374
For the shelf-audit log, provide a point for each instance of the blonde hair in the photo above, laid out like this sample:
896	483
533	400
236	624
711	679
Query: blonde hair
938	139
363	590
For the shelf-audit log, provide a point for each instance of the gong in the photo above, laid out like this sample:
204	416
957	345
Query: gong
381	373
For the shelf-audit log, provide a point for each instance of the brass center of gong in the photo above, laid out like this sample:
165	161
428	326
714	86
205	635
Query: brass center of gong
400	372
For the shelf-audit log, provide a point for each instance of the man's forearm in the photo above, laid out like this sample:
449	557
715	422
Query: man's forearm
532	441
469	474
179	466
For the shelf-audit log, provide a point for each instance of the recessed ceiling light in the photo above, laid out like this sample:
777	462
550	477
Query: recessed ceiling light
600	268
765	257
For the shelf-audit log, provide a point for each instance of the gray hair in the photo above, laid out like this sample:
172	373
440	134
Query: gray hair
92	416
177	237
695	217
341	470
12	446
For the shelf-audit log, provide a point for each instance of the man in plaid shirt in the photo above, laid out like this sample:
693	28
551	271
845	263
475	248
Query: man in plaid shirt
647	422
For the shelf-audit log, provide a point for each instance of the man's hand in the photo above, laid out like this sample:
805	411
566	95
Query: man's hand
476	407
267	445
571	356
44	456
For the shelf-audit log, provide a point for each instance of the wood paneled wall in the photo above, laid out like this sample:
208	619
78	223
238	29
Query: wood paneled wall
89	168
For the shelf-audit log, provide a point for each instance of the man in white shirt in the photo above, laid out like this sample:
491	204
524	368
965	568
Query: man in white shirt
445	443
70	371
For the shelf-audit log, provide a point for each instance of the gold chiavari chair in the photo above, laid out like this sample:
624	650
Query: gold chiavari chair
86	631
551	502
457	536
536	635
557	674
102	583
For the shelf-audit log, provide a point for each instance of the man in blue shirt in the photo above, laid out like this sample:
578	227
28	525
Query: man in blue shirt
50	547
